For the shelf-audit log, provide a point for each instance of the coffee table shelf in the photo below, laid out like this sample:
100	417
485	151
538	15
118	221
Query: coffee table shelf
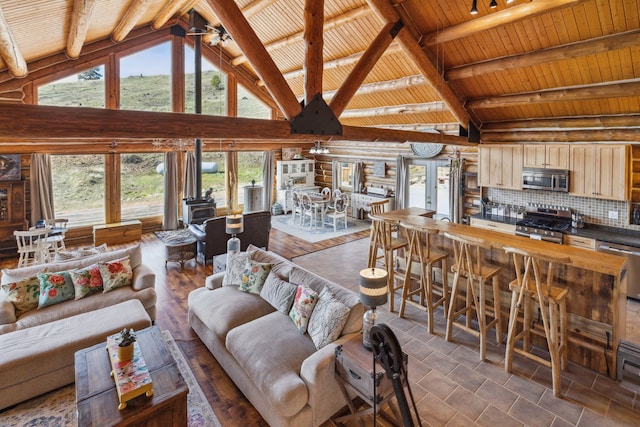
132	378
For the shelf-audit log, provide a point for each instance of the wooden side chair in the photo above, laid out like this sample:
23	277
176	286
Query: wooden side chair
479	275
420	250
531	285
33	248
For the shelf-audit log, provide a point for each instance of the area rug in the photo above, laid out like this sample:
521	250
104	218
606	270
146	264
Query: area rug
285	224
175	237
58	408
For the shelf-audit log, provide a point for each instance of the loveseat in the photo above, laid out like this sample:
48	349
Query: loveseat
212	237
287	375
38	344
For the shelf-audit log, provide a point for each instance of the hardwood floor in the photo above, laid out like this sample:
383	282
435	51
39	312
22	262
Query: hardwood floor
173	286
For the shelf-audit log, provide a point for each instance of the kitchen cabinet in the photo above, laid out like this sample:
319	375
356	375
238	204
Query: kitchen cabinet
12	212
580	242
486	224
500	166
553	156
295	173
599	171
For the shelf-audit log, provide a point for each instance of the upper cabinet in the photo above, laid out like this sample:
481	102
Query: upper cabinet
555	156
599	171
295	173
500	166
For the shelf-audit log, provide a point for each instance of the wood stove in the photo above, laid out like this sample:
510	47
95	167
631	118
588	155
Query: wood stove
196	211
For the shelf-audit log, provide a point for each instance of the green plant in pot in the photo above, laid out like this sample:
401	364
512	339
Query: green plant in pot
125	344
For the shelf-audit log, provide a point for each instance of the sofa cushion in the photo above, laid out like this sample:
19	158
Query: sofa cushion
54	288
115	274
236	264
280	266
345	296
86	281
327	319
271	350
278	293
219	309
253	276
24	294
303	304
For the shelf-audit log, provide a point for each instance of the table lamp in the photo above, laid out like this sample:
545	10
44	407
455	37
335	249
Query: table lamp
234	226
373	292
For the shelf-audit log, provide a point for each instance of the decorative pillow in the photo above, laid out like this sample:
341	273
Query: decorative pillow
327	319
116	274
236	264
54	288
254	276
278	293
24	294
92	250
86	281
303	304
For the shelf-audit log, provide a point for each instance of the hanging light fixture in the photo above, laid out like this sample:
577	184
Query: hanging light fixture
474	7
219	35
318	149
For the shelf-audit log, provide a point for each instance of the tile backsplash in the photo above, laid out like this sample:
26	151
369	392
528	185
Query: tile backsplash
595	211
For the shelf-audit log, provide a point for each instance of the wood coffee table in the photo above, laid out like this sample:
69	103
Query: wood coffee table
97	399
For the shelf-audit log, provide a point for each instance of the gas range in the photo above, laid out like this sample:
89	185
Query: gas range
544	222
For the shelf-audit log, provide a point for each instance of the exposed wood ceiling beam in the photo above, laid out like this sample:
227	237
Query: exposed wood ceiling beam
10	52
614	89
413	49
168	11
567	51
592	135
427	107
38	123
298	37
247	40
313	45
339	62
382	86
598	122
507	16
424	127
130	19
79	26
366	63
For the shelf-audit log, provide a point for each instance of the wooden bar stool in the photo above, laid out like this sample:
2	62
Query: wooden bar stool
420	249
375	239
531	285
468	263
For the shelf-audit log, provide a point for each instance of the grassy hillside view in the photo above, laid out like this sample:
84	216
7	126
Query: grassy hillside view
79	180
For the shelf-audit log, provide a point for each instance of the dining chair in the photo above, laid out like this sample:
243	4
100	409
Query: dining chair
297	207
33	247
326	193
59	226
308	210
339	211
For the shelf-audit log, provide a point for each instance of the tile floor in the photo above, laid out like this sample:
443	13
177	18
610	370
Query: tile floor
453	387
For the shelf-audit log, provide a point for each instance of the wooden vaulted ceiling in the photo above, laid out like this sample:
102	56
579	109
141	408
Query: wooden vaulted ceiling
525	71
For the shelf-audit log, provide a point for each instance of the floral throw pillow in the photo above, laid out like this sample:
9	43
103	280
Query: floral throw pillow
86	281
24	294
236	264
115	274
254	276
327	319
54	288
303	304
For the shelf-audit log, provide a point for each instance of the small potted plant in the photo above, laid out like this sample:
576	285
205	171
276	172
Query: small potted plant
125	344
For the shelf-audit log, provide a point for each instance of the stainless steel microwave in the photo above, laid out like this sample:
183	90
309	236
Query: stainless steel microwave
545	179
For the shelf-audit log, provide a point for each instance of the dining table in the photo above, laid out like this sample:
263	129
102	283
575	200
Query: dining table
320	204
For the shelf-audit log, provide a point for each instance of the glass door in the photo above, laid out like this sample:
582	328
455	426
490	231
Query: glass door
428	186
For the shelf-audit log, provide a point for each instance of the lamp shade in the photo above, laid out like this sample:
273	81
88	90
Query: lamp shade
373	287
235	224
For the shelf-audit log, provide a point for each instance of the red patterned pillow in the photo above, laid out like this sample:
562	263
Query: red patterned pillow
116	274
86	281
303	304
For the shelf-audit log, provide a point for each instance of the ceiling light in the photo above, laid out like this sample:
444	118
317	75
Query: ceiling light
474	7
219	35
318	149
493	4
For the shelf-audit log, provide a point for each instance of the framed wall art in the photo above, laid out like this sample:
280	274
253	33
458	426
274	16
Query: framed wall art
289	153
9	167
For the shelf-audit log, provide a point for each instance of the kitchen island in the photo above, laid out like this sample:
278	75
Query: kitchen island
596	303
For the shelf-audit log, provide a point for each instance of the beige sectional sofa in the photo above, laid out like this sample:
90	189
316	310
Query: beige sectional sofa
279	369
38	346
